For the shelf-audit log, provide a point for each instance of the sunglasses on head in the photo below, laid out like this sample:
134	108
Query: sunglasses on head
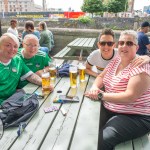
127	43
103	43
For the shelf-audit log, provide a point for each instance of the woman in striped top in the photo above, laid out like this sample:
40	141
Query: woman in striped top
125	112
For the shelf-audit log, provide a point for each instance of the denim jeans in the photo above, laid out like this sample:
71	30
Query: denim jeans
44	49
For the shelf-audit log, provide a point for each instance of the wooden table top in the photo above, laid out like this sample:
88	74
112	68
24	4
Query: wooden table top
78	130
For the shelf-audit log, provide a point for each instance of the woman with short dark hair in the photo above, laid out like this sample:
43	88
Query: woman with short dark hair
29	29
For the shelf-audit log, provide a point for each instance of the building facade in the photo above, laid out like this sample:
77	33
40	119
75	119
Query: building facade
19	6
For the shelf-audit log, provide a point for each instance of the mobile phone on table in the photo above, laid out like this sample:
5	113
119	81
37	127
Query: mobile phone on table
69	98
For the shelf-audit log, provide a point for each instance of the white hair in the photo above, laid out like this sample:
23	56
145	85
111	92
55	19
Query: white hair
132	33
12	36
30	36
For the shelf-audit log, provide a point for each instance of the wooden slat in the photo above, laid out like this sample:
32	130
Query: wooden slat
75	42
92	42
87	41
62	53
87	128
125	146
36	131
80	43
142	143
61	132
83	42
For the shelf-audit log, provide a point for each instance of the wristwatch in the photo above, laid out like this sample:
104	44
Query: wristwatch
100	96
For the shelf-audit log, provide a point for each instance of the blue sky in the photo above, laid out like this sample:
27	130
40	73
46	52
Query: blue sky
76	4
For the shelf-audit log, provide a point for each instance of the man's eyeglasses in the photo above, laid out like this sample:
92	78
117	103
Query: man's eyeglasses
31	46
127	43
103	43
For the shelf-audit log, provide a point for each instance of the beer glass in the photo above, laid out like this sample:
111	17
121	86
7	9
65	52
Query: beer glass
81	68
52	69
73	76
45	83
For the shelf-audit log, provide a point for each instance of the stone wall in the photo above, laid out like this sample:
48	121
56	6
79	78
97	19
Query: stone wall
115	23
63	36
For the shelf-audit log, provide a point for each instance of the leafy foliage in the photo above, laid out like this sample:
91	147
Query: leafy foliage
92	6
85	19
116	6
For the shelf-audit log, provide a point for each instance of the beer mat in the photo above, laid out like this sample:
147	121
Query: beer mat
1	129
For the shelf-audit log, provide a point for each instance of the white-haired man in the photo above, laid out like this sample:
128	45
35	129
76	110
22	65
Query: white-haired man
12	68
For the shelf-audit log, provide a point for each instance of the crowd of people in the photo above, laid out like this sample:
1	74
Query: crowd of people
122	75
45	36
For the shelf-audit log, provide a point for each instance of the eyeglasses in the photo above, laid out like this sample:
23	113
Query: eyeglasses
31	46
103	43
127	43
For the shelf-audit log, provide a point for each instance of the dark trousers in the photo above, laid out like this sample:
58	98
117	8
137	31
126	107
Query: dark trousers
116	128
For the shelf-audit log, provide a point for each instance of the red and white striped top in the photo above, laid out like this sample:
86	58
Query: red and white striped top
118	83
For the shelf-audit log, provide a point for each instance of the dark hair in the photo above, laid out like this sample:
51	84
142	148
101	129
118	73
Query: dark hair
13	20
29	24
106	31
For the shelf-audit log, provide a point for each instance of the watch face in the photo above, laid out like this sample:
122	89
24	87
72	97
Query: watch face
100	96
1	129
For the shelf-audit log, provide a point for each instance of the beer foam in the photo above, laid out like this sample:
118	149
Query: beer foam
52	68
45	75
73	71
81	67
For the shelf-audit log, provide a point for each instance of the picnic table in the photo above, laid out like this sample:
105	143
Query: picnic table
79	44
78	130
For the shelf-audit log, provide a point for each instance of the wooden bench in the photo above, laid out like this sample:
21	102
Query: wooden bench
141	143
62	53
81	44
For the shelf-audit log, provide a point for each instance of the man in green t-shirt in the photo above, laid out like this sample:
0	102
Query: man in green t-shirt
12	68
36	60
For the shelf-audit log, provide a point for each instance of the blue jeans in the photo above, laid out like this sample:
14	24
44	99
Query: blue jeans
44	49
117	128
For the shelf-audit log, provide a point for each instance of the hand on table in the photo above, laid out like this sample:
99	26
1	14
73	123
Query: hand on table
93	93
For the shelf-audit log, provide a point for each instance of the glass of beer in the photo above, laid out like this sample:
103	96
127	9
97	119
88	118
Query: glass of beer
73	76
45	83
81	68
52	69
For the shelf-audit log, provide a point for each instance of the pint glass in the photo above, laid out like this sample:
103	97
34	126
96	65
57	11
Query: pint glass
52	69
81	72
73	76
46	83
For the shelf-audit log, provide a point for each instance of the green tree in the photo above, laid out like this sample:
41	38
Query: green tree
116	6
92	6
